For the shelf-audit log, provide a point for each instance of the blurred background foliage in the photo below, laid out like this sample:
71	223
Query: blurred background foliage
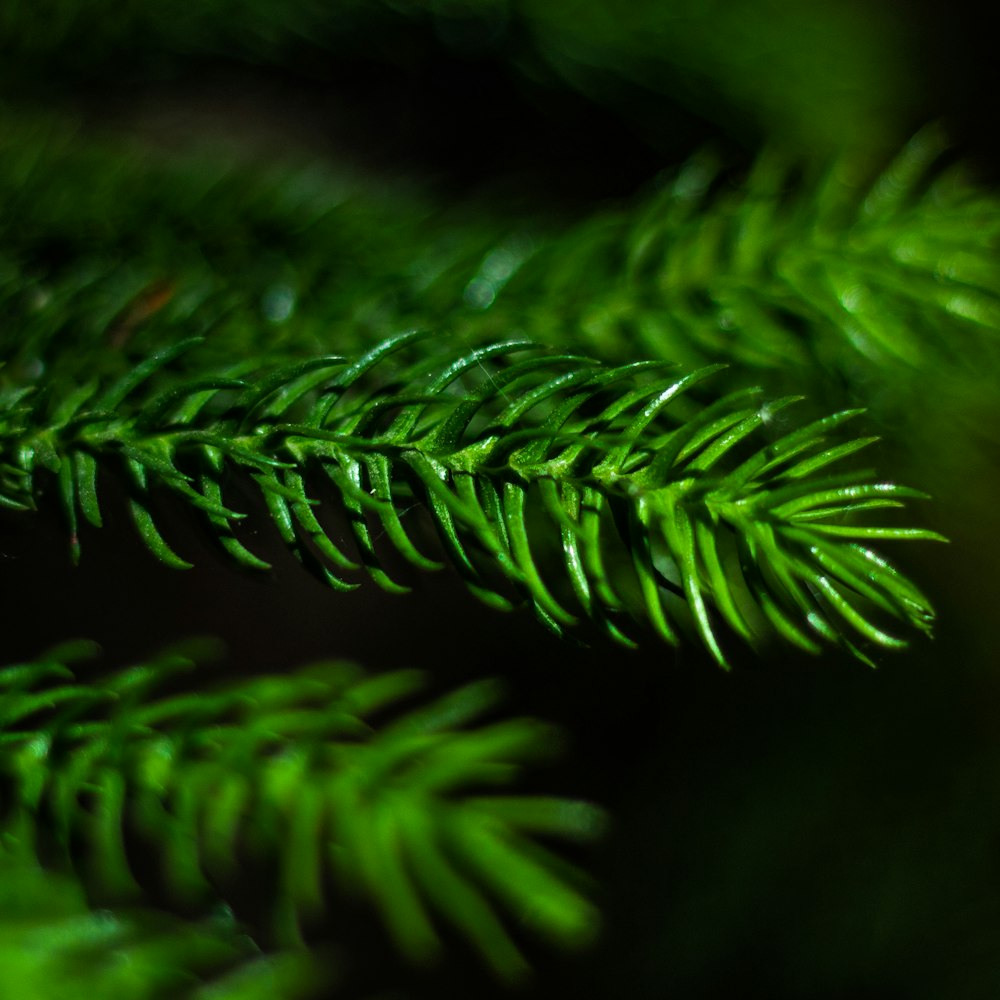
308	175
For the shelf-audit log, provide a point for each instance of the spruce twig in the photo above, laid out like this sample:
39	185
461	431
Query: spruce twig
301	769
651	491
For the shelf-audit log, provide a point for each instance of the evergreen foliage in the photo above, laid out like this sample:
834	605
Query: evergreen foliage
803	271
546	441
50	942
289	766
586	411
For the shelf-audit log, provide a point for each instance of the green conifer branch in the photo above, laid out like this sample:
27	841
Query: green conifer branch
653	493
801	271
50	944
295	768
108	251
194	328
